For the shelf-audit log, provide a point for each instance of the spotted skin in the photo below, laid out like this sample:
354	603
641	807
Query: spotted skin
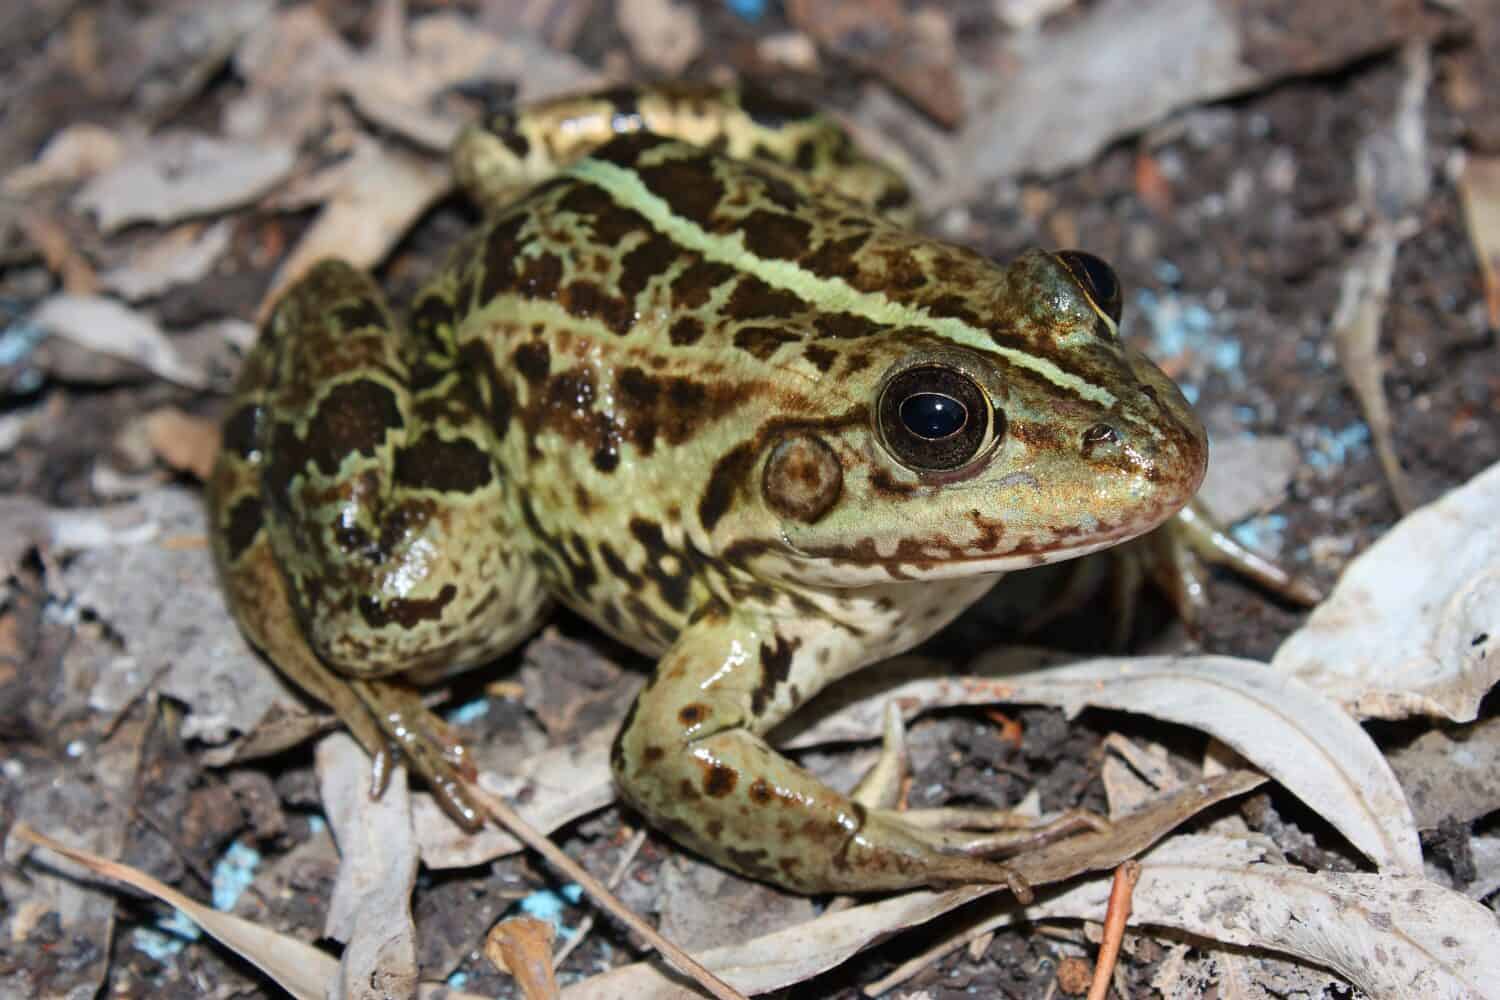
660	386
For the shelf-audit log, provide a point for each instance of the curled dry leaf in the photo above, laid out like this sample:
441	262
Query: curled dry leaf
183	441
303	971
522	946
1406	633
72	154
382	194
181	176
181	257
1479	187
795	954
114	329
1287	729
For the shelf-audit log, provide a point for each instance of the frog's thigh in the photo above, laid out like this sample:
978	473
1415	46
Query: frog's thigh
383	500
691	758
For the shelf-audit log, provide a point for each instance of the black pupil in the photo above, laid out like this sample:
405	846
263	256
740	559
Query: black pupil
932	415
1099	275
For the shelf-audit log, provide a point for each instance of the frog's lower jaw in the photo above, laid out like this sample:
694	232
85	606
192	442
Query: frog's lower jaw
691	757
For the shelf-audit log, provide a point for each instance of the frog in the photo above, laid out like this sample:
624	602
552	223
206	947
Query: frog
696	378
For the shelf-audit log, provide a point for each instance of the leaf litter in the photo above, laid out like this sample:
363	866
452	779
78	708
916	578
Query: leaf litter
132	585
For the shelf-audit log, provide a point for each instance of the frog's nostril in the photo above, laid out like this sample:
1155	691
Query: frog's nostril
1099	436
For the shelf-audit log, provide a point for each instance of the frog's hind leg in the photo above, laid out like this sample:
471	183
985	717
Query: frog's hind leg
360	518
691	757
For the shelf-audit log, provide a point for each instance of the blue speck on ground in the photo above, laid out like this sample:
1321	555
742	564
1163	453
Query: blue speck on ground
1264	533
233	874
458	980
1166	272
547	904
1180	325
750	10
1332	448
167	937
469	712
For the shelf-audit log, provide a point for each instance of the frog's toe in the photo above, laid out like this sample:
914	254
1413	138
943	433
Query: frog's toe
412	733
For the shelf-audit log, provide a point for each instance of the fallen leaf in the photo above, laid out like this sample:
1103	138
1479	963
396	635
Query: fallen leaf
183	175
1404	633
114	329
382	194
57	249
370	912
181	257
74	153
522	946
1291	731
915	53
663	34
1479	191
184	442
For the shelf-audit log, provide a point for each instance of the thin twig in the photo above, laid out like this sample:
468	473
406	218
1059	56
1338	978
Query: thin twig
502	813
1115	916
632	848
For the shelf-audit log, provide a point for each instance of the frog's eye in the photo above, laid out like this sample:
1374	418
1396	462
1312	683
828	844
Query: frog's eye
934	418
1097	278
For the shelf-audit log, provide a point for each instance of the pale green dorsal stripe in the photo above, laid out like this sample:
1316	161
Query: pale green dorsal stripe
627	189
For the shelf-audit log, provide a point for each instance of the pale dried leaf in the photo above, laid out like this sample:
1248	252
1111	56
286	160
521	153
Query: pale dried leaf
1248	474
297	967
181	257
798	953
74	152
114	329
184	175
550	789
370	911
383	193
183	441
522	946
1479	189
1405	633
144	569
1287	729
663	34
1391	935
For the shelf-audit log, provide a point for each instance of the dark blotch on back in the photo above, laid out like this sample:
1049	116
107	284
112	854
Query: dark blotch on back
533	360
696	284
730	472
686	331
688	185
587	300
719	781
763	341
845	326
754	299
501	249
775	667
448	466
405	611
360	313
774	235
646	261
354	418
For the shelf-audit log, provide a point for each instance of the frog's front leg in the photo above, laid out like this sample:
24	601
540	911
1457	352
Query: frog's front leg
359	518
691	757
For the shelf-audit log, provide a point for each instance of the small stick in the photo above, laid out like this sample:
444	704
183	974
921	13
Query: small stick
1115	916
523	831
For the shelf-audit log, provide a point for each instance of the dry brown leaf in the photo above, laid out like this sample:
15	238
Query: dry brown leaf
180	257
1405	632
914	53
382	194
184	175
183	441
114	329
1479	189
73	153
56	248
522	946
370	911
663	34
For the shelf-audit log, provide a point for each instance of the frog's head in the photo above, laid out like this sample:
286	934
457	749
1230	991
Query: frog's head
1006	431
